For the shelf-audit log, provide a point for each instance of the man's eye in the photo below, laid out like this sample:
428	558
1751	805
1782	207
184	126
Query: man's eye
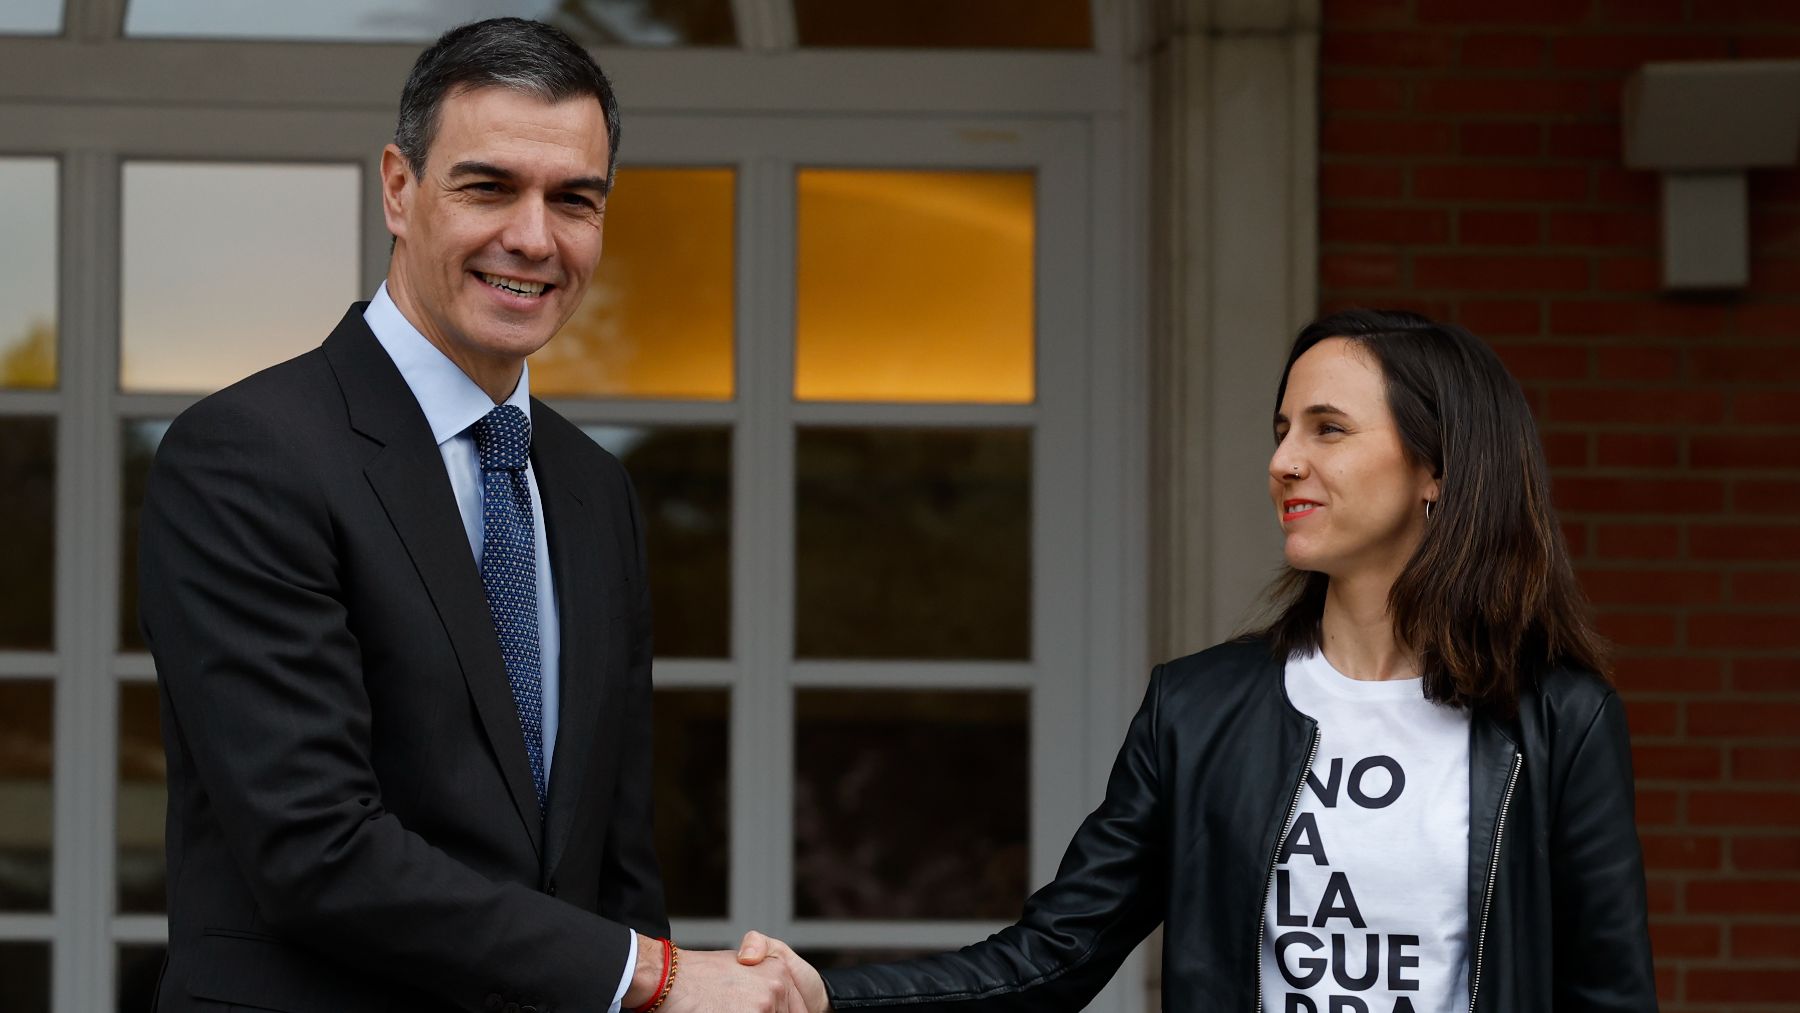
484	187
577	200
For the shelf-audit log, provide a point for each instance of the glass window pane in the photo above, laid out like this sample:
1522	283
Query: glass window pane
28	272
592	22
915	286
139	968
139	442
27	587
227	269
950	575
823	959
693	800
657	319
25	977
31	17
946	24
683	481
873	837
143	800
26	715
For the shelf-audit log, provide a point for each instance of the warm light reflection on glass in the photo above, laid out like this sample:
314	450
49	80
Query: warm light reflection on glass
227	269
657	319
28	272
591	22
915	286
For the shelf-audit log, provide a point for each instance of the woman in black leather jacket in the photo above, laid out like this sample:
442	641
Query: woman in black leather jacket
1411	791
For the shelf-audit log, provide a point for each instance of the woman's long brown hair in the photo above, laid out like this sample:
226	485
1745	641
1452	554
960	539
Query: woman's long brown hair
1489	600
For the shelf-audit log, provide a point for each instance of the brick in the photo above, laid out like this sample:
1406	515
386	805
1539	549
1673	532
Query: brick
1710	808
1774	187
1500	317
1503	12
1746	632
1587	140
1361	12
1746	452
1626	186
1767	47
1499	228
1357	182
1779	12
1668	982
1561	450
1741	984
1672	406
1685	940
1772	231
1759	542
1766	407
1637	362
1344	93
1764	940
1766	675
1500	183
1398	226
1618	495
1503	52
1506	95
1638	541
1774	276
1361	136
1744	896
1766	587
1766	718
1575	538
1500	140
1769	320
1544	362
1767	497
1411	50
1628	274
1679	763
1637	629
1499	273
1765	763
1669	675
1626	52
1766	854
1751	364
1359	270
1604	228
1662	894
1631	11
1653	587
1652	718
1657	806
1639	450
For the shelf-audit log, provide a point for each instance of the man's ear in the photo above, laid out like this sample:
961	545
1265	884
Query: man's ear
397	189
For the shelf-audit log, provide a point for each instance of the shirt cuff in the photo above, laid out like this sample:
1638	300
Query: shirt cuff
625	981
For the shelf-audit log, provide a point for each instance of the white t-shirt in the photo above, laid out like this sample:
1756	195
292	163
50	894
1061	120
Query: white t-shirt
1368	909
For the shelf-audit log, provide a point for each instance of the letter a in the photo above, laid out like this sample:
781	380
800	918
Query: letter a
1338	902
1304	840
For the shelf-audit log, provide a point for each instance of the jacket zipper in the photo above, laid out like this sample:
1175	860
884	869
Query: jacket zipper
1275	860
1487	898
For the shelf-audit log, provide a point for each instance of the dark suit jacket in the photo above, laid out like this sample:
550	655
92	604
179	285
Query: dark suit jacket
352	825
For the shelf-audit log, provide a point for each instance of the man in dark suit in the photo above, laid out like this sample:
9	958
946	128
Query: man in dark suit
400	616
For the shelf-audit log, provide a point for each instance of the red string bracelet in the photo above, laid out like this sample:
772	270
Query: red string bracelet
662	986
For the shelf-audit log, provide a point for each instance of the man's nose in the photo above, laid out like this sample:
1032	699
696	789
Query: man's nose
528	231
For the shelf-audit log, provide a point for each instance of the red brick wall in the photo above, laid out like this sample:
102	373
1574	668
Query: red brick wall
1472	169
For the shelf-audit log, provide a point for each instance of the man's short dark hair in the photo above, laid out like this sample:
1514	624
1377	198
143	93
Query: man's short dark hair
525	56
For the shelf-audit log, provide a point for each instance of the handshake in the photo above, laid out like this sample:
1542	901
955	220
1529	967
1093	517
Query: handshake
763	976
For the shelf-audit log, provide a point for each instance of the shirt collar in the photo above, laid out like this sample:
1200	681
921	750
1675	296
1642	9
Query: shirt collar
451	401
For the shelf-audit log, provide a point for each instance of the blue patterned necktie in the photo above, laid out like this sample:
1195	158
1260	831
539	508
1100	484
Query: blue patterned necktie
509	569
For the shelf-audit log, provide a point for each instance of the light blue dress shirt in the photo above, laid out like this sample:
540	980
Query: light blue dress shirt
452	403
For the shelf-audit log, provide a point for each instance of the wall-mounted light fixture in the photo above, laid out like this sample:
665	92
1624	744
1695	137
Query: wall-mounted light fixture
1702	125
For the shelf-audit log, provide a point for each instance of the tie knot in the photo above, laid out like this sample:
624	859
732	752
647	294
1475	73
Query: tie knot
503	439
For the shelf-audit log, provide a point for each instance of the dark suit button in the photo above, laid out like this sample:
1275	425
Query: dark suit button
493	1001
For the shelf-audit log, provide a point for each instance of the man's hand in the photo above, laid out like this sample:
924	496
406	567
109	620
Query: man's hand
757	946
715	981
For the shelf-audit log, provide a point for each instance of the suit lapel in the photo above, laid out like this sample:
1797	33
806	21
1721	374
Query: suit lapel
408	477
575	554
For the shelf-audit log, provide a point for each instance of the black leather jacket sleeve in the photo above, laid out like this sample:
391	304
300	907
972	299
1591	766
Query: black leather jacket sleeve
1109	892
1602	959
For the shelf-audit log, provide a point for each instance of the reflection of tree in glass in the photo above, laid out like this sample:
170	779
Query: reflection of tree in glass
28	476
31	361
913	544
873	835
647	22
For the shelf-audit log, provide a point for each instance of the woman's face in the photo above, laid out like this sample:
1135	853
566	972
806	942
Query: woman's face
1349	501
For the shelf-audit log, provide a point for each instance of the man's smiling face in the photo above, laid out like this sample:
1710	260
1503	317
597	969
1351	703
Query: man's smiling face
496	239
